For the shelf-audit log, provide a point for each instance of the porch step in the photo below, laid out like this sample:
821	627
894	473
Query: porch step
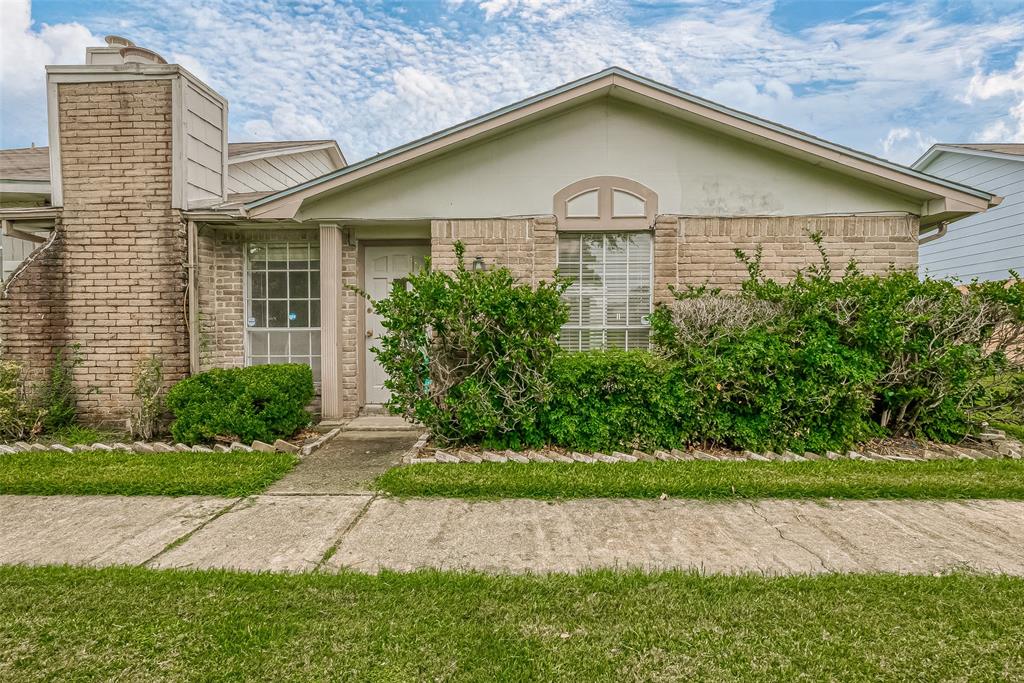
380	423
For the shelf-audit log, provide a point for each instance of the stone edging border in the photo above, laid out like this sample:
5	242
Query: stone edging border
279	446
998	447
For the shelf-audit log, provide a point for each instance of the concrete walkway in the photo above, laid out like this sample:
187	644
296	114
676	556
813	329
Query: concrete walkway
295	532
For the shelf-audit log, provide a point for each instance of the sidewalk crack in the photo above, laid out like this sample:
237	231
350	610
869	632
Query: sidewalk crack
329	553
778	530
189	534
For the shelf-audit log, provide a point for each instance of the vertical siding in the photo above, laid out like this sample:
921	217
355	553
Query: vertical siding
14	252
987	245
204	145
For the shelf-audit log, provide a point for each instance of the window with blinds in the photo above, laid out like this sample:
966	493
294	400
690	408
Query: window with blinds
610	295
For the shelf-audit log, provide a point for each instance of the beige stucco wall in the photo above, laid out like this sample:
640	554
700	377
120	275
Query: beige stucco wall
693	170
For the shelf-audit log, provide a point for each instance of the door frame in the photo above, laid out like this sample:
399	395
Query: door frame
361	373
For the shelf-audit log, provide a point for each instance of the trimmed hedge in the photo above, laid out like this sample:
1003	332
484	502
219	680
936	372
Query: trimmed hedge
612	400
261	402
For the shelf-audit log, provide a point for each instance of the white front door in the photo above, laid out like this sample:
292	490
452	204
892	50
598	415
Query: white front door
384	265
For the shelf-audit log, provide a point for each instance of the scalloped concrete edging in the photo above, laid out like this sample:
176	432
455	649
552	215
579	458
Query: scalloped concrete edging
992	445
279	446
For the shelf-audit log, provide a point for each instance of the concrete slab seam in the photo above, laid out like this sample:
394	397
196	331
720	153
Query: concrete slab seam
184	537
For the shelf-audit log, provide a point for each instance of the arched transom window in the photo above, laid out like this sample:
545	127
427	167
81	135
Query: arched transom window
606	203
605	250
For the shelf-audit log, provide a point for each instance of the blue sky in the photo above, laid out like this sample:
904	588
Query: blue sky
887	78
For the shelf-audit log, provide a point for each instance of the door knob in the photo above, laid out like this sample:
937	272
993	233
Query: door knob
369	333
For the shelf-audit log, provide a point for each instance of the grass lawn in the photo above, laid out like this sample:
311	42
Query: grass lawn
141	474
937	479
136	624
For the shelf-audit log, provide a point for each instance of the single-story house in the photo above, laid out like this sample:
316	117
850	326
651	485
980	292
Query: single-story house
989	246
154	235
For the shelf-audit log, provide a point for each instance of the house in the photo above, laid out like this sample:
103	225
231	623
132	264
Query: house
989	246
158	238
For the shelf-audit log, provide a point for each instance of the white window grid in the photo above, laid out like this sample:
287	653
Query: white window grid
589	326
276	290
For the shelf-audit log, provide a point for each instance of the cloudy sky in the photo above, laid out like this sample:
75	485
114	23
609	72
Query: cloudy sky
886	78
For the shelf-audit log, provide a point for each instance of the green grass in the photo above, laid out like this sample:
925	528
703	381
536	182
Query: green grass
76	434
941	479
141	474
139	625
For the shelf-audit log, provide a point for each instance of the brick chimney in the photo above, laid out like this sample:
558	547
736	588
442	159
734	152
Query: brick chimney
134	142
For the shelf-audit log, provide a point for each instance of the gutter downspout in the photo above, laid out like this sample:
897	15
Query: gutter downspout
192	298
941	232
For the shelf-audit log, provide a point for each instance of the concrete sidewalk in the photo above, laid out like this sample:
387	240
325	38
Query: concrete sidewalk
331	532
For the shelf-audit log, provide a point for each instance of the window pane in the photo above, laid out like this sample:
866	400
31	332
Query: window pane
569	339
257	257
277	314
258	343
257	285
314	364
298	256
299	343
314	284
616	339
638	339
298	314
314	340
314	313
279	343
277	285
258	314
277	256
568	251
298	285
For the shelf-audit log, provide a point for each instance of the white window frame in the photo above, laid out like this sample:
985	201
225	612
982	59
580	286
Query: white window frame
605	327
315	350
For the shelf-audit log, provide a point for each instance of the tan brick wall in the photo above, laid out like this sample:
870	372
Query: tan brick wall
527	246
33	309
121	256
698	250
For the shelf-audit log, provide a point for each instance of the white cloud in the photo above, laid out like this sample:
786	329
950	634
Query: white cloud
905	145
287	123
24	51
1003	85
374	78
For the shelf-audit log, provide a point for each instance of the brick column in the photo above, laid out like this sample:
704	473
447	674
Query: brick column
666	256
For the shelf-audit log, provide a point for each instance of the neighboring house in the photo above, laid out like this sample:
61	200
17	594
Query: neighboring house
989	246
155	245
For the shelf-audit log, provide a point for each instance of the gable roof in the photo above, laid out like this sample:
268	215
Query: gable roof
33	163
1013	151
619	83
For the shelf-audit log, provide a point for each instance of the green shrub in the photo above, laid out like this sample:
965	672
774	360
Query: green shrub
57	394
618	400
264	402
823	362
466	352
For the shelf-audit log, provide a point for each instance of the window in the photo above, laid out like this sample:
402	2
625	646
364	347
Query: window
283	304
610	295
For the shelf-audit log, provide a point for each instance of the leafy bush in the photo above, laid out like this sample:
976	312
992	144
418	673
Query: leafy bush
264	402
822	362
57	394
615	400
466	352
20	417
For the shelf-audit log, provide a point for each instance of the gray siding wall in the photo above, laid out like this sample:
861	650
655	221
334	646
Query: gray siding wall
987	245
12	252
278	172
